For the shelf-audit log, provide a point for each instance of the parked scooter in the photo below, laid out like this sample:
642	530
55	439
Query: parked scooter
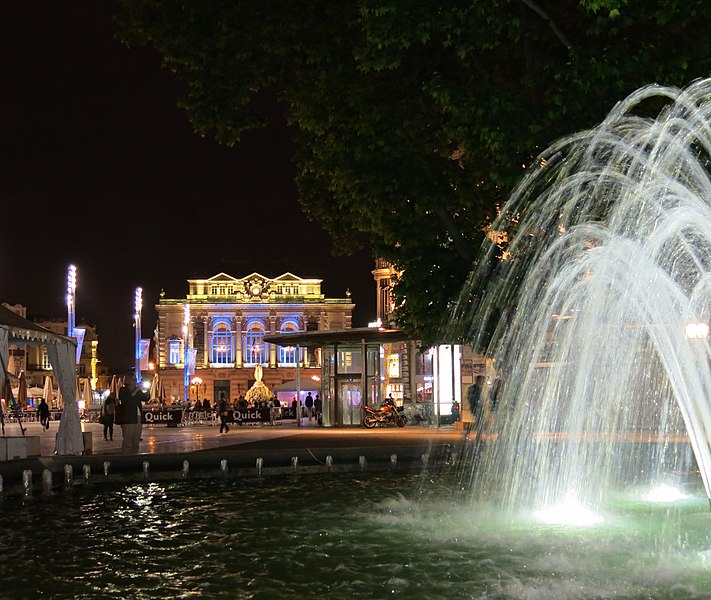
387	414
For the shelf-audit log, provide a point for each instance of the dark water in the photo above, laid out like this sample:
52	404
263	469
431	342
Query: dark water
335	536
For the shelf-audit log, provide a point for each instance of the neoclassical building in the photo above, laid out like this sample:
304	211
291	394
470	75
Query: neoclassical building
218	331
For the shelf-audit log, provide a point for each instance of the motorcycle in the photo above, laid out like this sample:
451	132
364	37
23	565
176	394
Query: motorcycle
387	414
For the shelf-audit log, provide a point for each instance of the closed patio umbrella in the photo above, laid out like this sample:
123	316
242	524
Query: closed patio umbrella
47	391
88	394
22	392
153	392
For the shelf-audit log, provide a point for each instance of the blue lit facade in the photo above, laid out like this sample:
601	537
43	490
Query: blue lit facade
228	320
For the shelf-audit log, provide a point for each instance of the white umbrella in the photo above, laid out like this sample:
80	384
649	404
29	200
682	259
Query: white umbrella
88	394
22	391
47	392
153	392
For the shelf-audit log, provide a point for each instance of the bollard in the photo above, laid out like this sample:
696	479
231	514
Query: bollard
223	466
393	460
107	465
146	465
27	482
329	462
68	475
87	472
362	462
46	481
260	462
295	462
186	468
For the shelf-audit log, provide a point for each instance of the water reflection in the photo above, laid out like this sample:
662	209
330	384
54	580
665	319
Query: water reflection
336	536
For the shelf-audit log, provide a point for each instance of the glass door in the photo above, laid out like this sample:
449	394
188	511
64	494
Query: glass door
349	394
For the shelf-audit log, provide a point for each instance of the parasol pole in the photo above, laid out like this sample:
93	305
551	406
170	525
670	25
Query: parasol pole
9	387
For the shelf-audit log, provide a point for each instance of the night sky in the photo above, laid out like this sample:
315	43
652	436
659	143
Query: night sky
99	168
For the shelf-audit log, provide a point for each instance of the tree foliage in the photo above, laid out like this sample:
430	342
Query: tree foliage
413	119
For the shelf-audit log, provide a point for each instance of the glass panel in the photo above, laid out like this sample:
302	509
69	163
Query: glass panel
349	393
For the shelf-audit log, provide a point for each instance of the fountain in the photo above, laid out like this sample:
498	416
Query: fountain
587	314
590	481
259	392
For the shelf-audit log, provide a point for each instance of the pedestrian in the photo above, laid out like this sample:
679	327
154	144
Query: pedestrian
108	412
206	405
474	400
318	408
309	404
131	398
223	408
43	412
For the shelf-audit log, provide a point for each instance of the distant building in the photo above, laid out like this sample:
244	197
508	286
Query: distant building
218	331
35	362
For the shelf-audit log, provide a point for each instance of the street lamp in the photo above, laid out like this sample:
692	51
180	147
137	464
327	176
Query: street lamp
71	299
197	382
138	306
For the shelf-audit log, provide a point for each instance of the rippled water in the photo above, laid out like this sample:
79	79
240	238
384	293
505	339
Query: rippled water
337	536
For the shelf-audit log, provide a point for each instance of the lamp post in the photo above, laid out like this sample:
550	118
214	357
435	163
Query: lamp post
137	325
197	382
186	353
71	299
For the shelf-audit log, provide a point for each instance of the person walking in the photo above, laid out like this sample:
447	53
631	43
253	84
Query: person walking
309	404
43	413
131	398
108	412
223	409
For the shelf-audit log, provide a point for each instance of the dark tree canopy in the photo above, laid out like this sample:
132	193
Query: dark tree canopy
414	119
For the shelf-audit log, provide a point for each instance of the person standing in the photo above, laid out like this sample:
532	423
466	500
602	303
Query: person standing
43	413
132	398
475	400
318	409
309	404
108	411
223	408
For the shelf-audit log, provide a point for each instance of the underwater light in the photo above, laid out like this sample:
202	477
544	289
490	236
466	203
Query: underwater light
568	512
665	493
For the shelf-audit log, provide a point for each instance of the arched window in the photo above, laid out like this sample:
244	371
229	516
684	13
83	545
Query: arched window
222	343
255	350
287	354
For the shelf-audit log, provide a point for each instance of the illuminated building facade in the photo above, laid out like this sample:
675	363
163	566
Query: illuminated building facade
35	361
212	340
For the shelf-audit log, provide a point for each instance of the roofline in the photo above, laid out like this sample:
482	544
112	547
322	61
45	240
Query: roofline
337	336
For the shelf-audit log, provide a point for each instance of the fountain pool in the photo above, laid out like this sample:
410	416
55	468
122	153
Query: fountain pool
340	536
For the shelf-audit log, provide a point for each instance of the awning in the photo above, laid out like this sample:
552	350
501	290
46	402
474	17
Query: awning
306	385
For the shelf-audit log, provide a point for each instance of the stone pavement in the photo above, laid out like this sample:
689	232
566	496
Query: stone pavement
205	448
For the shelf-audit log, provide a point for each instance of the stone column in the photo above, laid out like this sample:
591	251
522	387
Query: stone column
237	328
206	321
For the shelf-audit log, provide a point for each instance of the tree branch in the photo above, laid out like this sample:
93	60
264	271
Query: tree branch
554	28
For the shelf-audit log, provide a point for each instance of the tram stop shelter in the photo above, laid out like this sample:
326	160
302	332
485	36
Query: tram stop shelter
352	368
